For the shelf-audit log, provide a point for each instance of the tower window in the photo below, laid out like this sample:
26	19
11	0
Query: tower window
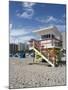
52	36
45	36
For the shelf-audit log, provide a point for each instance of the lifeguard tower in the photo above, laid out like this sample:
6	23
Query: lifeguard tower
49	45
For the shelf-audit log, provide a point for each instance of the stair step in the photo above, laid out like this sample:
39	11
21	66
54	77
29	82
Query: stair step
43	56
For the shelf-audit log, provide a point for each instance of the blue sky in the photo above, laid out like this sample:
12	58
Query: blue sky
25	17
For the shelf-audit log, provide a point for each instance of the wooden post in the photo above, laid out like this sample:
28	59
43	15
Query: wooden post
48	56
40	48
33	44
54	56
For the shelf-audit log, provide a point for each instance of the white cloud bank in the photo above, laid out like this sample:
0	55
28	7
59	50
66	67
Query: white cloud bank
61	28
28	13
49	19
10	26
22	39
18	32
28	10
20	35
28	4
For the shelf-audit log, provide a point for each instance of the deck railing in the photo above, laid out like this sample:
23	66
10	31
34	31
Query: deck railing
44	51
37	45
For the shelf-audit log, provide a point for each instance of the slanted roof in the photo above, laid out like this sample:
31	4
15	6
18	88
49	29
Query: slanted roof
48	30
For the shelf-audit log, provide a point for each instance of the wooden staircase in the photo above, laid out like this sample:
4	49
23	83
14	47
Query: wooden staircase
41	52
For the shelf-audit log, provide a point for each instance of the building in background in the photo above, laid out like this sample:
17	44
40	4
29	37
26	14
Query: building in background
13	48
23	47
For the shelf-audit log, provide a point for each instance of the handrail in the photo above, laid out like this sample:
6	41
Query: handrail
47	54
40	48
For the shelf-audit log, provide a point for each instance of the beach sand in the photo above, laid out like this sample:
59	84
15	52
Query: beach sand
22	74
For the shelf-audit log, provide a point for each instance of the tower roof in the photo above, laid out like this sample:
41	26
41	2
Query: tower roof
47	30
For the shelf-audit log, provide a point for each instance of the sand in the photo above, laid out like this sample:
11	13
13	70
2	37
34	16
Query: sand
25	75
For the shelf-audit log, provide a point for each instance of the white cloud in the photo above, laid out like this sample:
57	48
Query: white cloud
20	35
26	38
18	32
28	4
55	20
64	16
27	14
22	39
61	27
51	18
47	19
28	10
42	20
10	26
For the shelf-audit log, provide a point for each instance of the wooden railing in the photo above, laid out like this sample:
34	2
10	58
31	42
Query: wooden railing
37	45
51	56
